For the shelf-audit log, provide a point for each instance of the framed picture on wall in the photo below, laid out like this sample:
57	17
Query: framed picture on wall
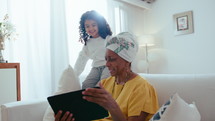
183	23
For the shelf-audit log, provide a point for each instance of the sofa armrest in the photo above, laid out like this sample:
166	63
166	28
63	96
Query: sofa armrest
24	110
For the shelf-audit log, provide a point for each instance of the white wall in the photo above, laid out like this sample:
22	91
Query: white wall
191	53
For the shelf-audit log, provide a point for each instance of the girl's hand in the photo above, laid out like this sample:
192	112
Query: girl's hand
66	117
100	96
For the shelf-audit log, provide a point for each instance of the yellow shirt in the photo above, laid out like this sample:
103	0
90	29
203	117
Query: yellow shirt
134	96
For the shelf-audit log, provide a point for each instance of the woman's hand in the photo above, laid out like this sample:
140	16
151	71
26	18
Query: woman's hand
66	117
104	99
100	96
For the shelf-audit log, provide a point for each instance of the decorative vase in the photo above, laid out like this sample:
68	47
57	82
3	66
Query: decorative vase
1	57
1	49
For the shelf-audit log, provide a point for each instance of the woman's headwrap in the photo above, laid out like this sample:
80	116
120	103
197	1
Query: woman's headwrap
124	44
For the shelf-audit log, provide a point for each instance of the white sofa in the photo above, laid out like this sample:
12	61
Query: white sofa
199	88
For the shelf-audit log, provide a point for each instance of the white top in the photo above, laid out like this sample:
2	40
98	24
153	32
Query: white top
95	50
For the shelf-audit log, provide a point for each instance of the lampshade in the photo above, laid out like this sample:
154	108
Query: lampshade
146	40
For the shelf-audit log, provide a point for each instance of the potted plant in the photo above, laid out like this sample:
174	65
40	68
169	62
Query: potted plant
7	32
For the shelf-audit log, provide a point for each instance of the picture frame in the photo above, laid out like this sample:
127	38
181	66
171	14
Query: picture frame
183	23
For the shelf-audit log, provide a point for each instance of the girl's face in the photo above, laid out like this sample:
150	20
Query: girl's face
91	28
115	63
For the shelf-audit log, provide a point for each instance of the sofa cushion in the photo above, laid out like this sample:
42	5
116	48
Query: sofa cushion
68	82
28	110
176	109
191	87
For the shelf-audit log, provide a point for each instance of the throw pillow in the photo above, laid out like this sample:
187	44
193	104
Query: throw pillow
176	109
68	82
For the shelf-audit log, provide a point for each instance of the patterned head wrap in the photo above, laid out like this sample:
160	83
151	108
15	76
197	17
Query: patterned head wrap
124	44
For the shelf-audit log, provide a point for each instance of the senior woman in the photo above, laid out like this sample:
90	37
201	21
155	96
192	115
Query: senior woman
126	95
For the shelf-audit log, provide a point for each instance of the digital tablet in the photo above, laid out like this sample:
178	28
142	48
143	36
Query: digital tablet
73	102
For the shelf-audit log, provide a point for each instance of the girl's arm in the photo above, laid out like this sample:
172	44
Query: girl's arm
81	62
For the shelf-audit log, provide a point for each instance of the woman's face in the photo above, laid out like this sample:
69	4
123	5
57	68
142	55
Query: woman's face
115	63
91	28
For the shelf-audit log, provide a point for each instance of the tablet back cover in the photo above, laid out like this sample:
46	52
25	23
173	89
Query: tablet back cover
73	102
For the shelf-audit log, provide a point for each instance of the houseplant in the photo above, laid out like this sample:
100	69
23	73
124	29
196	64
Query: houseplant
7	32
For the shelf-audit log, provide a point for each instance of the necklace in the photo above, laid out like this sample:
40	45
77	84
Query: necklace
119	85
123	80
116	90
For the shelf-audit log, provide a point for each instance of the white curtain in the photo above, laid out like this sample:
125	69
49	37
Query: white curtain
59	41
41	48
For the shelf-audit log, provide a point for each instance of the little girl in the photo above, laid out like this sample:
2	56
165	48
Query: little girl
93	30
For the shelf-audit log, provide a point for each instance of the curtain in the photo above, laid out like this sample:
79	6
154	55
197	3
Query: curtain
59	41
41	47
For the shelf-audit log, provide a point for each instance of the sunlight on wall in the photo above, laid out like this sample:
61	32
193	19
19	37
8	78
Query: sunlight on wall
74	10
